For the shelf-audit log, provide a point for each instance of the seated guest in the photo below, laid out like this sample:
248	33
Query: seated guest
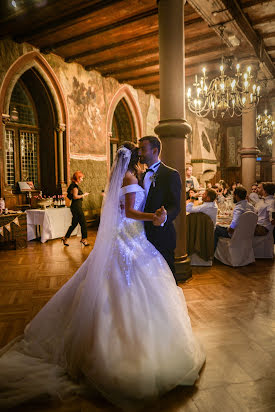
242	205
192	195
265	207
233	187
225	188
253	197
208	206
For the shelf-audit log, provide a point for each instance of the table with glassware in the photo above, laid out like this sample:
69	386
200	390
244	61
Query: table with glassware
49	223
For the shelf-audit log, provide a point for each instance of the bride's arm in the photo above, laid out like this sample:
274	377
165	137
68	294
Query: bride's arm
130	198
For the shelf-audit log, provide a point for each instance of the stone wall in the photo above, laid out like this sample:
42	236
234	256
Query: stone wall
95	177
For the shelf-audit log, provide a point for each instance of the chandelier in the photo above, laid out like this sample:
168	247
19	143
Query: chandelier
223	94
265	126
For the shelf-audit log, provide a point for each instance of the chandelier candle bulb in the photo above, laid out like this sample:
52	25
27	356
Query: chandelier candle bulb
232	95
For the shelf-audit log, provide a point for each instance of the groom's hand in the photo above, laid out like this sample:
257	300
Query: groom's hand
159	216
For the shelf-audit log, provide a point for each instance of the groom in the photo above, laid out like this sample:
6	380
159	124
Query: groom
162	185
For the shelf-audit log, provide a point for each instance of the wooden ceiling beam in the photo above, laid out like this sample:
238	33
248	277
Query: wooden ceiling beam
261	20
129	68
121	23
122	43
92	52
103	63
101	30
96	66
65	21
268	35
252	3
237	23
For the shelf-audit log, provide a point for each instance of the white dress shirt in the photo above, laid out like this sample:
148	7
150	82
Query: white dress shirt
147	181
239	209
254	198
193	182
209	208
264	208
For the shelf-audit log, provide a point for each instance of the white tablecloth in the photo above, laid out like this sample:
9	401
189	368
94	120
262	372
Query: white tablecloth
53	223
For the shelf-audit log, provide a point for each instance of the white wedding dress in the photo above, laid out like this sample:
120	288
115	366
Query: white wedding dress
134	343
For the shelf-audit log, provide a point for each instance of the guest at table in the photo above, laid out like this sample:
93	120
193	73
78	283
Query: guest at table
225	188
253	197
242	205
265	208
208	206
75	194
192	195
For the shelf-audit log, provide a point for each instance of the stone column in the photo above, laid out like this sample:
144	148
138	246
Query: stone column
60	129
173	128
249	149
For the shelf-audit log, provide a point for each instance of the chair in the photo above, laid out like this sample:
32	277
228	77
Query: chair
200	239
263	246
238	250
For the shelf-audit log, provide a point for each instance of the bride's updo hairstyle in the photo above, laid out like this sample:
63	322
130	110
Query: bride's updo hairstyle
134	156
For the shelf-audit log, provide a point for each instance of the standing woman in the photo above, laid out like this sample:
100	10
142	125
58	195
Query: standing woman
76	195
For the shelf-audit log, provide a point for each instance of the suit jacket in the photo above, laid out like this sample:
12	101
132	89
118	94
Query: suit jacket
166	192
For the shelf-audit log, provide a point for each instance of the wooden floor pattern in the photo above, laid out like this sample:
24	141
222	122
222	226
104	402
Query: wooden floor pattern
232	313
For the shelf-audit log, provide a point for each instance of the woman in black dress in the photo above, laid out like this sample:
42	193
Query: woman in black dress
76	195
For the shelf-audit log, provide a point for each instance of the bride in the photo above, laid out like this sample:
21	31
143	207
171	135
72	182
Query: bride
119	325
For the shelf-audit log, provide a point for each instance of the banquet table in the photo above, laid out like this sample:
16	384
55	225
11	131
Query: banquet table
52	223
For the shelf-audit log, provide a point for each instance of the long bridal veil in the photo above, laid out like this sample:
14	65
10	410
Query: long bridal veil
61	333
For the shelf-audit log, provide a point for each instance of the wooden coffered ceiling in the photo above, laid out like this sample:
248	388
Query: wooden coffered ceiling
119	38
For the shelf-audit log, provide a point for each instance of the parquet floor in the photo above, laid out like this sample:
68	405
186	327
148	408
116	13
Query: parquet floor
232	312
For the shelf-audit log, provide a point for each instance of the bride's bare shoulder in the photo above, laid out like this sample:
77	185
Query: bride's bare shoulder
129	179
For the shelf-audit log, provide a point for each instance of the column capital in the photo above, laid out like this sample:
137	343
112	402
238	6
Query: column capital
249	152
173	128
5	118
61	127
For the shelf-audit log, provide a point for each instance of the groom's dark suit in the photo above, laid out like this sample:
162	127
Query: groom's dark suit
166	192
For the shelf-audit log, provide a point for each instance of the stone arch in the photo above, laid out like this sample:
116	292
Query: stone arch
16	70
125	93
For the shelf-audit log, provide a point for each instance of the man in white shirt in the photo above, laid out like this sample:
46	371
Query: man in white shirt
253	198
208	207
191	181
242	205
265	207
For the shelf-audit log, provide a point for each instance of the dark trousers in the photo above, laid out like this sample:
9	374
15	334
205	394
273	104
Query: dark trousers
169	256
78	217
220	231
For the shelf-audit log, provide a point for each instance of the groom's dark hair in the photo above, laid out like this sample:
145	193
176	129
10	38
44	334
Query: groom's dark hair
154	142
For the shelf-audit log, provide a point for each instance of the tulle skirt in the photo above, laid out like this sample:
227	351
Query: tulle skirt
136	343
